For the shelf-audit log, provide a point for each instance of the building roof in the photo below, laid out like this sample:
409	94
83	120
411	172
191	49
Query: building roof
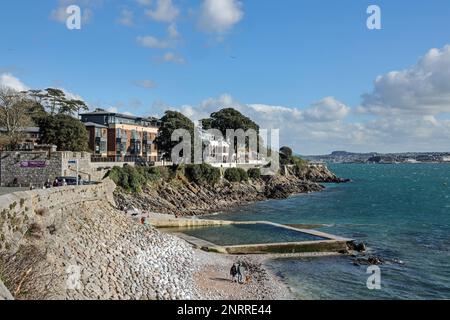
122	115
92	124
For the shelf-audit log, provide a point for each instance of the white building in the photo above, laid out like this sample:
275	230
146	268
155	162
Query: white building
216	152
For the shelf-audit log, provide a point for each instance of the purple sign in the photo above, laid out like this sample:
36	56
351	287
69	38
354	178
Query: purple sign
33	164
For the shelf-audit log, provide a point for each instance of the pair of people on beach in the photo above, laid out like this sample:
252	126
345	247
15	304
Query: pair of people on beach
237	272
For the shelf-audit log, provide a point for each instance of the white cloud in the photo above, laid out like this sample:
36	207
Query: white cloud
165	11
423	89
327	109
126	18
113	110
10	81
146	84
220	16
71	95
154	43
325	126
173	31
172	57
158	43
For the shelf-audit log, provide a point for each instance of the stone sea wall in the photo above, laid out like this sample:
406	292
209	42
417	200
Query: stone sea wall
35	167
72	243
20	210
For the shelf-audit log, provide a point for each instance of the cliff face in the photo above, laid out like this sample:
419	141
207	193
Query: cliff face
187	199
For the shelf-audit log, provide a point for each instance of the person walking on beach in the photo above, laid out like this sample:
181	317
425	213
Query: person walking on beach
233	272
240	273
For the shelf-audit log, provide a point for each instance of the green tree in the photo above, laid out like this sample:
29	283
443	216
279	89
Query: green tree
55	99
172	121
64	131
229	119
286	154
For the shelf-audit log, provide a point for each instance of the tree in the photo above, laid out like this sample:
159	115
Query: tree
64	131
287	157
172	121
55	98
4	141
285	154
14	115
73	106
56	101
229	119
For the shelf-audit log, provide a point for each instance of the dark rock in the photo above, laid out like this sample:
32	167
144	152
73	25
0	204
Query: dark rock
371	261
359	247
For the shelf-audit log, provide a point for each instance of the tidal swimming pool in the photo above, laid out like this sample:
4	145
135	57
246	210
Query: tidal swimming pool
248	234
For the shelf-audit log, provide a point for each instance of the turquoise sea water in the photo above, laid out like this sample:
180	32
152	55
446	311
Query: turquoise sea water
402	212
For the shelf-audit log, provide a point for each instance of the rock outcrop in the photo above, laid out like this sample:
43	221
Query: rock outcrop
320	174
184	198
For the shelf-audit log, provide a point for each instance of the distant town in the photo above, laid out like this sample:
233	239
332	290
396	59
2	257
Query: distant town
382	158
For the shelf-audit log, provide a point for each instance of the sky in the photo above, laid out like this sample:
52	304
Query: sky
310	68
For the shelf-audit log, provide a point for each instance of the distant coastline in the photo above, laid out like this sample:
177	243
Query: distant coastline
381	158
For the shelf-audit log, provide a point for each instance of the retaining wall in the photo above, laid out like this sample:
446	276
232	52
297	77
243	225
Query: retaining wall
19	210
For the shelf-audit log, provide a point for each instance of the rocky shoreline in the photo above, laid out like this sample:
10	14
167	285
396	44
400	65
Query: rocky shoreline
184	198
97	252
100	253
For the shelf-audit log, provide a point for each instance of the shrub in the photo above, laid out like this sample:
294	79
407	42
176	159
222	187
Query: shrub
243	174
202	173
133	178
129	178
254	173
236	175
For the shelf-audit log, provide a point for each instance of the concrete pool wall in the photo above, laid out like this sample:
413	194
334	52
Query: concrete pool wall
327	243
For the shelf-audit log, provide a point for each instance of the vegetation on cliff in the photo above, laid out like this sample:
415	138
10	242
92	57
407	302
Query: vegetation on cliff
135	178
236	175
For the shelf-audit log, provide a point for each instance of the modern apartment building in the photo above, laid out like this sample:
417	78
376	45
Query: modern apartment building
121	137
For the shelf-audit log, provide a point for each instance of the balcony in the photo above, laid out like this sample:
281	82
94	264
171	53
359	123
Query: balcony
100	139
122	139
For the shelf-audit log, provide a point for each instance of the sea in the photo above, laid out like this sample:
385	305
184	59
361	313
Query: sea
400	211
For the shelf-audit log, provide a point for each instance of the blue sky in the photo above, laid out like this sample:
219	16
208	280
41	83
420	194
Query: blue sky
301	66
